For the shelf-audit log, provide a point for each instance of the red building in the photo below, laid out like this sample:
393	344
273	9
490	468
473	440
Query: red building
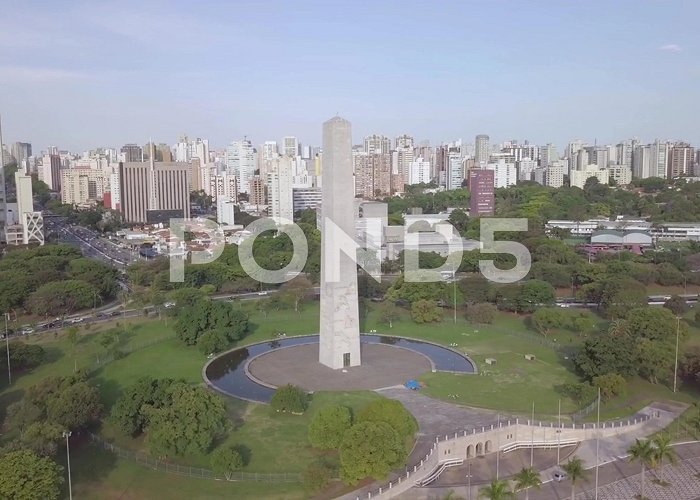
481	187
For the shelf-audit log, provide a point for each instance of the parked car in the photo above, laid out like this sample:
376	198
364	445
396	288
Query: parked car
559	476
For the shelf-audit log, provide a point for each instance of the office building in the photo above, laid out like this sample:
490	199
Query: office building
505	173
482	151
241	162
305	198
30	221
455	170
131	153
578	178
154	192
548	154
526	168
681	160
481	187
377	144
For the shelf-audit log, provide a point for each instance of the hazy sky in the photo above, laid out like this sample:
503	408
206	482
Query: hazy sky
84	74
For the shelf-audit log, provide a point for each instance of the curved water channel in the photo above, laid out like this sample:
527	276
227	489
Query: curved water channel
228	374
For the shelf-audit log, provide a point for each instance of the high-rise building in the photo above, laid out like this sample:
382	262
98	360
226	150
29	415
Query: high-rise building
279	192
681	160
482	151
404	141
548	154
455	170
80	186
505	173
621	174
554	174
420	172
402	159
21	151
256	191
153	192
372	175
377	144
50	171
641	161
290	146
29	228
481	187
225	211
3	194
132	153
305	198
241	162
526	167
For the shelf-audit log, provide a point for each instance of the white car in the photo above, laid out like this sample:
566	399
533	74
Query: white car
262	293
559	476
168	305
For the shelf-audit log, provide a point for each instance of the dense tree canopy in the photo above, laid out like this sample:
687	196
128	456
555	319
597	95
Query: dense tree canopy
208	316
27	476
328	426
370	449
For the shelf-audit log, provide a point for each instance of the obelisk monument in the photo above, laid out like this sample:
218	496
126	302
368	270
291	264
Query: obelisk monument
339	343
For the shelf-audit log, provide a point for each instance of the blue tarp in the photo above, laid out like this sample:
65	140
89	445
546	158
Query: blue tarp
414	385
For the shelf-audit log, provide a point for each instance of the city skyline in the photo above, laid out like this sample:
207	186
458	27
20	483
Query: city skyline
76	75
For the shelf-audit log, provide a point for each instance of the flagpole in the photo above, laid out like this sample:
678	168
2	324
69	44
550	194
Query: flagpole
597	447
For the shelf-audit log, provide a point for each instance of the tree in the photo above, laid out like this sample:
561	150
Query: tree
388	313
189	424
391	412
497	490
605	354
663	451
642	451
583	323
610	385
24	356
533	294
328	426
481	313
575	470
213	341
618	328
546	318
205	315
27	476
130	412
426	311
226	460
42	438
527	478
677	305
617	297
475	288
654	323
299	289
61	297
370	449
290	398
75	407
654	359
689	366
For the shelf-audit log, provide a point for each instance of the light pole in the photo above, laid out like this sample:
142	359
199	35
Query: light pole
675	368
454	292
7	347
67	434
469	478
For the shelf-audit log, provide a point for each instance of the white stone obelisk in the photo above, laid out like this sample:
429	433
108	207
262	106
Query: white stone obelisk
339	343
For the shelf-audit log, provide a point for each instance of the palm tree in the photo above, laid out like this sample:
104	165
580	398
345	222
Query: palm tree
618	328
497	490
663	451
527	478
575	470
644	453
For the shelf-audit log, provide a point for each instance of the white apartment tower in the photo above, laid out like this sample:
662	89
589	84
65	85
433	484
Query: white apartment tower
482	150
241	163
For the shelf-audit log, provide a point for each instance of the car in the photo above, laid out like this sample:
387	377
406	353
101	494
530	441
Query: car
27	330
168	305
559	476
115	313
262	293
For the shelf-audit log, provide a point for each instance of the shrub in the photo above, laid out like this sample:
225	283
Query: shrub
482	313
291	399
226	460
391	412
610	385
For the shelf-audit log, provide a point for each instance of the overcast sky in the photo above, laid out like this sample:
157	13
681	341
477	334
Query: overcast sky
85	74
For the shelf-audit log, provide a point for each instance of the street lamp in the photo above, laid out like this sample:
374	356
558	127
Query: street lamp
675	369
7	347
67	434
469	477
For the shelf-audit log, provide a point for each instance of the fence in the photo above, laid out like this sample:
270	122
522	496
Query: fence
198	472
585	411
